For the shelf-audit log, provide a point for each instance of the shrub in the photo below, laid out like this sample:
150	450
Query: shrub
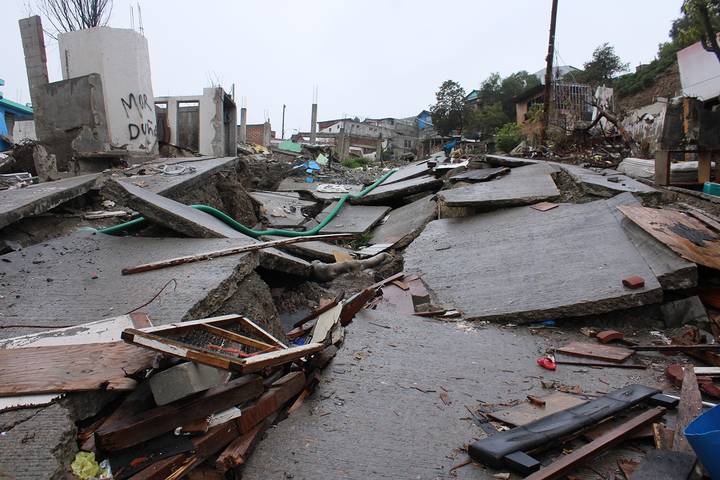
508	137
354	162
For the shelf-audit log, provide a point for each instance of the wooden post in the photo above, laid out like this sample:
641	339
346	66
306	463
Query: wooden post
548	73
704	166
662	167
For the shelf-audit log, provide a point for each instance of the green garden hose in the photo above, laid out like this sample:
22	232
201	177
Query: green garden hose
115	229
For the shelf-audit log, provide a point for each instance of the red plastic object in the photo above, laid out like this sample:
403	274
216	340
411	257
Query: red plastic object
547	363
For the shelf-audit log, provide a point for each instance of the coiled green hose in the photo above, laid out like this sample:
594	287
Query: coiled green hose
115	229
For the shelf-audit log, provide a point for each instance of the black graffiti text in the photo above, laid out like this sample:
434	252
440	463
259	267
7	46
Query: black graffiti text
141	103
145	128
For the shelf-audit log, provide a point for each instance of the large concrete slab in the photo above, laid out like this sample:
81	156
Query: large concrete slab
607	184
170	185
378	411
522	186
76	279
416	169
35	199
523	265
672	271
396	191
315	250
480	175
293	185
505	161
356	219
405	223
281	209
193	223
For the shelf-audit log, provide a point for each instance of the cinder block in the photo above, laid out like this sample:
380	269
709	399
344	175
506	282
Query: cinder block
681	312
185	379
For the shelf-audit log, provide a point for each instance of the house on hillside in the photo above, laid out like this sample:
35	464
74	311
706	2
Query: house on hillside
10	112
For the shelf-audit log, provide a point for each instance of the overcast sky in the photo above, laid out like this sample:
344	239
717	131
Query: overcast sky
376	58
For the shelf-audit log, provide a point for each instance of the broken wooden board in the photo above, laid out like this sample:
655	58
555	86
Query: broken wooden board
355	219
687	236
281	209
325	323
606	353
480	175
631	363
672	271
527	267
396	191
32	200
527	412
102	331
544	206
230	342
405	223
144	425
522	186
70	368
689	408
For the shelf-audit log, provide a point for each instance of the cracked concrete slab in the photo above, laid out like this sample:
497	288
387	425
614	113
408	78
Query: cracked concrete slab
39	198
194	223
170	185
362	421
672	271
355	219
506	161
314	250
79	280
388	192
281	209
522	186
293	185
404	224
522	265
480	175
607	184
413	170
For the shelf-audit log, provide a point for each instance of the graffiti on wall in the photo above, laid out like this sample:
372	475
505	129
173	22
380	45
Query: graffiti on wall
140	116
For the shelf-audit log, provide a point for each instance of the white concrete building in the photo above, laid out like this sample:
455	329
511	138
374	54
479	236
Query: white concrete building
121	58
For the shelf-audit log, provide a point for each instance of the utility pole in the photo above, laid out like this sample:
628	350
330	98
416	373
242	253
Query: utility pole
283	124
548	74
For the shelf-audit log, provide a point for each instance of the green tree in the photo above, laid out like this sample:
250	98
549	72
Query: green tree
512	86
701	21
603	67
486	120
449	109
508	137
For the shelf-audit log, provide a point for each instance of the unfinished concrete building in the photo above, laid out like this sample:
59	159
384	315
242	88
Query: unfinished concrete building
205	123
102	110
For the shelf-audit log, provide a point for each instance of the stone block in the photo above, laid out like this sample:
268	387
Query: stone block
681	312
183	380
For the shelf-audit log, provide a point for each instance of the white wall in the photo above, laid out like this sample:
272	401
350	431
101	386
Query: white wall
24	130
699	72
121	57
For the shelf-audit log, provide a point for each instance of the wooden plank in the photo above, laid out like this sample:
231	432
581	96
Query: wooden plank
527	412
571	461
676	348
321	309
662	167
279	357
704	166
687	236
602	352
142	426
544	206
355	303
241	448
68	368
325	324
689	408
199	257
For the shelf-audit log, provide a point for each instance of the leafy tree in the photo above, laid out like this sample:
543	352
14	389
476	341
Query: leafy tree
508	137
490	91
603	67
487	120
701	20
512	86
449	109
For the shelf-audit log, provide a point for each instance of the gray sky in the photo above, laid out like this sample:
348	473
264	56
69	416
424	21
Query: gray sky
368	58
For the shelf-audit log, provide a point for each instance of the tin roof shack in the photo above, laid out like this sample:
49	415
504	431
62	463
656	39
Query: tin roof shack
10	112
103	109
205	123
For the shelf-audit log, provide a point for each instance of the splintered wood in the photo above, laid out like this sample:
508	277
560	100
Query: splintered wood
685	235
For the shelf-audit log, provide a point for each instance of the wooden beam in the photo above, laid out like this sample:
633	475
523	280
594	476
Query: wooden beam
198	257
148	424
676	348
662	167
704	166
571	461
239	450
689	408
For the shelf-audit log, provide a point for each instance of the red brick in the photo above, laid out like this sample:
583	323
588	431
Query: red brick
634	282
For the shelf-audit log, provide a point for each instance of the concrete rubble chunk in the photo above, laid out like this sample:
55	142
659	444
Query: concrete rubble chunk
194	223
39	198
183	380
672	271
522	265
522	186
356	219
387	192
404	224
79	279
607	184
281	209
681	312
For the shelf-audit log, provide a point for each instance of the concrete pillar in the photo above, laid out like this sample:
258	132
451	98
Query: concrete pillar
172	120
378	150
33	41
242	132
313	123
267	133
